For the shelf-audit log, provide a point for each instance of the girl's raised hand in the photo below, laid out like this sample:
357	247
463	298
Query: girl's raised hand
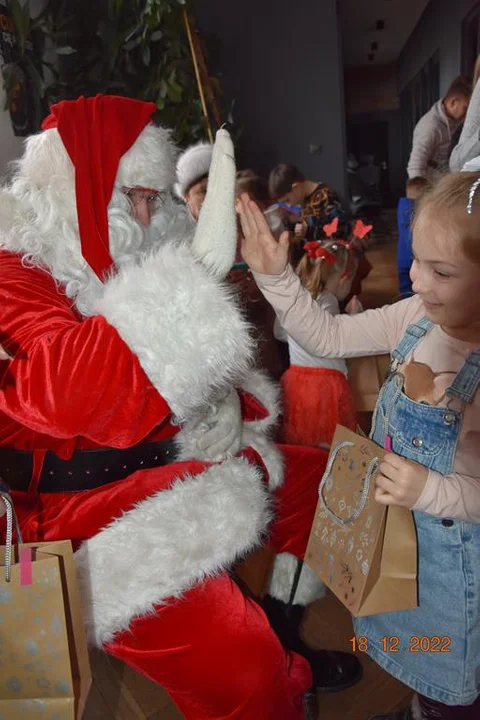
259	248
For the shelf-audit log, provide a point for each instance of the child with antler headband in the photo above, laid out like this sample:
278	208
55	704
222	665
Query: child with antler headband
428	419
316	394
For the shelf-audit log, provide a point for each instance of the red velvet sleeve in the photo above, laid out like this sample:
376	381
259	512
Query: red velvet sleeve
69	376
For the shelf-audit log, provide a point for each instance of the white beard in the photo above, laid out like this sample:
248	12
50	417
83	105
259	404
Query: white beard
42	225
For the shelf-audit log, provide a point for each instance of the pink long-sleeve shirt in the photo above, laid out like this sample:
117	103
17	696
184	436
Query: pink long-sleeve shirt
373	332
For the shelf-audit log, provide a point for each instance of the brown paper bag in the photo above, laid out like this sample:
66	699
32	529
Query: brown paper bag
365	552
44	667
365	377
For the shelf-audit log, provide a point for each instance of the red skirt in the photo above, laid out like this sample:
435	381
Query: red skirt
315	401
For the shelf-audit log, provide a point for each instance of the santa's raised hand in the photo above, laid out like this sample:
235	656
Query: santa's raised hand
259	248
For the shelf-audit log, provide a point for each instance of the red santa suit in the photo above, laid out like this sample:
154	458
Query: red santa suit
123	353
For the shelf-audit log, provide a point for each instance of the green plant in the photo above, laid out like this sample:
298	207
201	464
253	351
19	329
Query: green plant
137	48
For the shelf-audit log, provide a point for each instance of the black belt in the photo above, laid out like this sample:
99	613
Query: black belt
86	469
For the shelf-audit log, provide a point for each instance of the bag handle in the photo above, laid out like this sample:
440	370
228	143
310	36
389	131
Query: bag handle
11	519
371	469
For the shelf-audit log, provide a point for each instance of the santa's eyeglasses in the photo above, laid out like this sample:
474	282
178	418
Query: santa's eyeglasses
137	195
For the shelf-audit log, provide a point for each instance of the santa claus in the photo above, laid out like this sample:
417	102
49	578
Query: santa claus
132	422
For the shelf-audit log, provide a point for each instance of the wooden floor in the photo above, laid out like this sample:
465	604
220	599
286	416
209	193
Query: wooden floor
121	694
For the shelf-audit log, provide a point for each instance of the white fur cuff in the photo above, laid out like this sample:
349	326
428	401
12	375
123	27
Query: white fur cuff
169	542
309	588
187	333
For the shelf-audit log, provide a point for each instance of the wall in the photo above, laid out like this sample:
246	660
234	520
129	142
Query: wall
371	96
11	147
371	88
439	28
280	61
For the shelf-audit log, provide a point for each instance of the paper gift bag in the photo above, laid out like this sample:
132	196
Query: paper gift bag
44	667
365	377
365	552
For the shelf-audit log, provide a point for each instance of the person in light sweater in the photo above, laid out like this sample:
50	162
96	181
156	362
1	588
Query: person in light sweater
433	133
315	390
428	417
468	146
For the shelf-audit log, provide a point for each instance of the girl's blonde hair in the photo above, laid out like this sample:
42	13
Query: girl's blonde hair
314	273
448	201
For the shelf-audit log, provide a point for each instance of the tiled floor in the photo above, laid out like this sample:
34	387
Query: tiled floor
121	694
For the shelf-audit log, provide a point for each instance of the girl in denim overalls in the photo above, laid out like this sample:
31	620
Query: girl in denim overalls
428	417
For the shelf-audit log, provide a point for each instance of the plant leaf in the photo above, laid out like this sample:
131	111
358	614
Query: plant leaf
21	20
146	55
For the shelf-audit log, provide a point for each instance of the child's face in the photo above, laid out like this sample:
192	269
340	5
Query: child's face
446	280
195	197
295	196
456	107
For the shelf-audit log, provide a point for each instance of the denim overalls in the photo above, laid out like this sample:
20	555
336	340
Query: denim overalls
448	550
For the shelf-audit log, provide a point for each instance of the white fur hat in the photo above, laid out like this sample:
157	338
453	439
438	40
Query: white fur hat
192	165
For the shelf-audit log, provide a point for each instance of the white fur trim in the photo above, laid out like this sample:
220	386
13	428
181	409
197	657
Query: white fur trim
416	709
183	325
192	164
268	451
215	238
258	384
309	588
150	162
169	542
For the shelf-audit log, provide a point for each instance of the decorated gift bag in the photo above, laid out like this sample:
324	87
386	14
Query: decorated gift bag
44	668
365	552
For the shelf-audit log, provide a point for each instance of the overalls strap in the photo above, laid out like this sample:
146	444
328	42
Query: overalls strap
410	340
467	379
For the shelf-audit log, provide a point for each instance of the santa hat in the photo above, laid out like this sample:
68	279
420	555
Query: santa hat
192	166
110	141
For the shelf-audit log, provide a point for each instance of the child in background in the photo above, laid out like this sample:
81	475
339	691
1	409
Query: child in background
316	203
270	354
432	136
405	209
316	394
193	167
428	418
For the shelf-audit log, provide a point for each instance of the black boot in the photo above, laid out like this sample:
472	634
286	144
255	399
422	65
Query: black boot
399	715
333	670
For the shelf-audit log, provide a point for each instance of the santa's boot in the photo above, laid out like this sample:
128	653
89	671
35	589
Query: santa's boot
333	670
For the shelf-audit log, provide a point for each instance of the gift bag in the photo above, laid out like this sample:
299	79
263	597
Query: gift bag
366	553
365	377
44	667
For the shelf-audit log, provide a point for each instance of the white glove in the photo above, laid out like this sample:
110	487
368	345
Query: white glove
216	436
222	437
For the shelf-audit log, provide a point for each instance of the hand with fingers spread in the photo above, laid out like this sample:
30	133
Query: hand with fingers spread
400	481
260	250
